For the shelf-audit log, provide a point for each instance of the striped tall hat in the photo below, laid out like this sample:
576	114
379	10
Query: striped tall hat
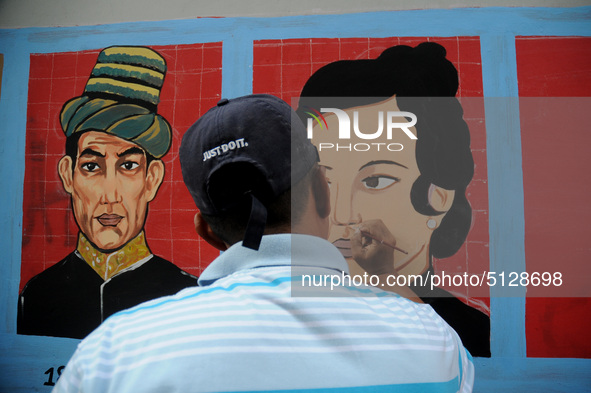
121	98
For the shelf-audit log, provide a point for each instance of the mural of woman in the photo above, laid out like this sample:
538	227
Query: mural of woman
407	192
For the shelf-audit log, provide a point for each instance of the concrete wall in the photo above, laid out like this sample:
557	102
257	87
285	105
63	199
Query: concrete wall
40	13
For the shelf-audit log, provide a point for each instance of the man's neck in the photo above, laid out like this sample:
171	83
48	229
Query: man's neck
109	263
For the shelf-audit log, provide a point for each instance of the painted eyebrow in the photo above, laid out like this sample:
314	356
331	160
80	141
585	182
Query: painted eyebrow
91	152
382	162
130	151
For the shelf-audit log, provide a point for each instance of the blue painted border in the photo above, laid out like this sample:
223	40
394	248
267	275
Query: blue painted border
505	191
497	28
237	60
441	23
13	108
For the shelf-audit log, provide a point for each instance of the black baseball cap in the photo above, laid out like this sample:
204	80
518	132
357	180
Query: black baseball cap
253	147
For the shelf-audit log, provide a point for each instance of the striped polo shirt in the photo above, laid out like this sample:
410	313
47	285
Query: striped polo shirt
255	325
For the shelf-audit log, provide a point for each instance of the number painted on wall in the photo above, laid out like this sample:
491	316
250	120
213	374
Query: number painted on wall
50	374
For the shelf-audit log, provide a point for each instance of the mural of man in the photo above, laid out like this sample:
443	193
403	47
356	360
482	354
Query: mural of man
112	170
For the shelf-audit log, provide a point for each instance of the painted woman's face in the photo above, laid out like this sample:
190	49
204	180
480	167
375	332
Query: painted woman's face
372	179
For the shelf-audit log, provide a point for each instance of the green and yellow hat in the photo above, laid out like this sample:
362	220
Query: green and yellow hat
121	98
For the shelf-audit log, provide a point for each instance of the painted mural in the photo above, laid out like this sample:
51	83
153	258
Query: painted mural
416	191
526	192
115	145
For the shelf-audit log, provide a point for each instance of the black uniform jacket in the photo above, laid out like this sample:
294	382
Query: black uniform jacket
472	325
70	299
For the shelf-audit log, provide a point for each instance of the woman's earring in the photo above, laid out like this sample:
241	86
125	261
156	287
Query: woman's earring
431	223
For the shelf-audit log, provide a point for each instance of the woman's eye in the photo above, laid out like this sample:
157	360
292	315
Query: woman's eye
90	166
129	165
378	182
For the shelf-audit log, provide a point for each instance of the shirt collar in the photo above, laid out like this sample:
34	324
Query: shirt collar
108	265
276	250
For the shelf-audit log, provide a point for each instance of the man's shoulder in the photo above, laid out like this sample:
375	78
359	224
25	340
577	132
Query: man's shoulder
254	312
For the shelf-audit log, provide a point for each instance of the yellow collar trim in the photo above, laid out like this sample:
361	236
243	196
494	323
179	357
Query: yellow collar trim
108	265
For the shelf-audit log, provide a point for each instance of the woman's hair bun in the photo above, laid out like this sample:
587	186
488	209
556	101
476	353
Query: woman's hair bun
420	71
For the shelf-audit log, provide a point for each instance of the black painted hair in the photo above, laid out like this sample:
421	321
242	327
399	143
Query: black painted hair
72	150
425	83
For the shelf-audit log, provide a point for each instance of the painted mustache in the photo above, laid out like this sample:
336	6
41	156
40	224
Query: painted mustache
109	220
369	235
344	246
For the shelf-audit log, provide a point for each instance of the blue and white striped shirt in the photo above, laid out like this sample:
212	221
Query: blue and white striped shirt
252	326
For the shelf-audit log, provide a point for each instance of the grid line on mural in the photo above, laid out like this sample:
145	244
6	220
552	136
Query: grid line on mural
282	67
49	229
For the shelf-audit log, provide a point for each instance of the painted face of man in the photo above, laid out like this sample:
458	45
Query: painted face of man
111	186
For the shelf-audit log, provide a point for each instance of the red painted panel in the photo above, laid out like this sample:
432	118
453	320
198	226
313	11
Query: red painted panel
554	66
192	85
556	189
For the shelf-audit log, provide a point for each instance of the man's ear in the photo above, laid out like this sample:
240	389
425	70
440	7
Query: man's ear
204	230
441	199
154	178
321	192
64	169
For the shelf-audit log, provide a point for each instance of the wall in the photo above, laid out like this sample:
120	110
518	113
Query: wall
36	13
514	46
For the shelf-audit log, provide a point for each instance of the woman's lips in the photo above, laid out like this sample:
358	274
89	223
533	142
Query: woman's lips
344	246
109	220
